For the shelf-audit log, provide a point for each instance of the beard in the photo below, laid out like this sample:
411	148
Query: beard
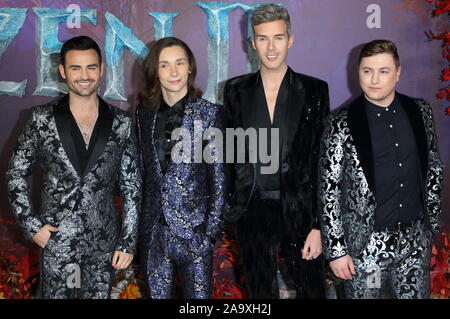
83	92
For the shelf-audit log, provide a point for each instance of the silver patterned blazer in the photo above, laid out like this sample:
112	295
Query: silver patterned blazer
346	176
80	203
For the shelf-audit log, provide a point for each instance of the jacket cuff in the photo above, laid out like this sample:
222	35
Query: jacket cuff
315	223
334	258
32	225
214	229
336	251
129	249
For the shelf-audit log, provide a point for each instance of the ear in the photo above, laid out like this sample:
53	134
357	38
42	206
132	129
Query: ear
62	71
102	66
291	40
399	70
253	44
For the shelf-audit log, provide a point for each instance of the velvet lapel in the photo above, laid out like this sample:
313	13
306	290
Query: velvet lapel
359	130
63	124
247	95
296	103
104	131
418	127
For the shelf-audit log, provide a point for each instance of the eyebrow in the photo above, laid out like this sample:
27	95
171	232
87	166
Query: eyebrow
276	35
180	59
79	66
383	68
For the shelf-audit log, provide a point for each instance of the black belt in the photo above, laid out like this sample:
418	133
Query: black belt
399	227
275	194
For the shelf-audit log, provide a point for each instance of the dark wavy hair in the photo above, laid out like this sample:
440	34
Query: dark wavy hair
151	95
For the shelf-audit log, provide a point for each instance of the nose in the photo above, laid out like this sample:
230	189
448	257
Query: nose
270	45
375	77
174	70
84	73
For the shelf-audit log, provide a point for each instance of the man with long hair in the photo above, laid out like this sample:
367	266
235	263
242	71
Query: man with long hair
183	195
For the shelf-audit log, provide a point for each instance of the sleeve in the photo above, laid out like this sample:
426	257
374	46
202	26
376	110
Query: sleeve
239	176
323	105
330	182
435	171
216	172
130	185
19	169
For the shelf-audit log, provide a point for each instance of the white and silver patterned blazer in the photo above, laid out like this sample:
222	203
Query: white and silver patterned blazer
346	178
80	203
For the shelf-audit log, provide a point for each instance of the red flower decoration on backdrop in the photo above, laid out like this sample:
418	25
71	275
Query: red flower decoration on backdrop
440	8
440	268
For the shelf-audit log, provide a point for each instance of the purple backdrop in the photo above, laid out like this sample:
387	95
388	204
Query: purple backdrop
328	33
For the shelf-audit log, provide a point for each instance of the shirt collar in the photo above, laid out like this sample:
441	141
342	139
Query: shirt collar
376	108
177	107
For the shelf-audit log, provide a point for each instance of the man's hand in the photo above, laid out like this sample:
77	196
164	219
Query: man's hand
121	260
43	235
343	267
313	245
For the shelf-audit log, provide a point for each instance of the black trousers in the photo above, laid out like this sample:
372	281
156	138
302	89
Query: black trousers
263	246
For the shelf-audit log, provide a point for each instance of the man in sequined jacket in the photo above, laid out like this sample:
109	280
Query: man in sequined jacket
85	148
380	184
275	214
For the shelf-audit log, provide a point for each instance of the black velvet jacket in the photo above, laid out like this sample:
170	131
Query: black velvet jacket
308	106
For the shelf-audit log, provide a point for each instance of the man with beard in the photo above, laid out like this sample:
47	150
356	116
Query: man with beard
84	146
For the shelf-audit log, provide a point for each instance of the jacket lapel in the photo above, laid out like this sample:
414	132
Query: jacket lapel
296	103
63	125
104	131
156	161
247	110
247	98
418	127
359	130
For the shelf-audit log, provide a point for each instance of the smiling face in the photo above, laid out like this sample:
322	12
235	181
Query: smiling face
173	71
378	77
271	42
82	71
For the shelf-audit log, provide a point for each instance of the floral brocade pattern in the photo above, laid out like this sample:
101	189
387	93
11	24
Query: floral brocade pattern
81	206
182	206
347	203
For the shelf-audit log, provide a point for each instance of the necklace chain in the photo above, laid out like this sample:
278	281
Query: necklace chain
87	126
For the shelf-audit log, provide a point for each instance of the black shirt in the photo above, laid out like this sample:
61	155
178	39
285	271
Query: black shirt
262	120
396	164
168	118
84	154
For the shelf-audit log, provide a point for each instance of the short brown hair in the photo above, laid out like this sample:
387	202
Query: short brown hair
377	47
